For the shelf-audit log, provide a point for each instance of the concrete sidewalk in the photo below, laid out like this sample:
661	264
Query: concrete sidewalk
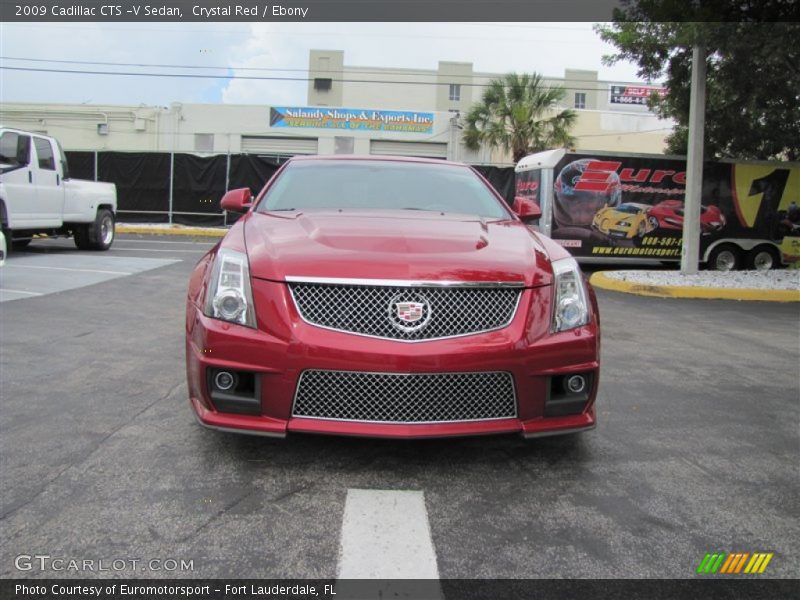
779	285
166	229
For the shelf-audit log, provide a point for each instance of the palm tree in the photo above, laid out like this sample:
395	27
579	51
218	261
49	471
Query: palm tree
513	115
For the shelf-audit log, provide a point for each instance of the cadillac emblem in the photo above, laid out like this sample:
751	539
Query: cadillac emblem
409	312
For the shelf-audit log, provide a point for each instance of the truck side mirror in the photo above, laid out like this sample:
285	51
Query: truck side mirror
238	201
526	209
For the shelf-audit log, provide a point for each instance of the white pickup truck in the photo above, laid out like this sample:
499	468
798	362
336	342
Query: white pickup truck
37	195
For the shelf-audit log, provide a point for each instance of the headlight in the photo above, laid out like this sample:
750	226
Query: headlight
571	308
229	296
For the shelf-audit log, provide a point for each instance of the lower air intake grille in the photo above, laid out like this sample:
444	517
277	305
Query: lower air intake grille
405	398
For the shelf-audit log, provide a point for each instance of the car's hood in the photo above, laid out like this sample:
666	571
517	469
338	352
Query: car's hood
420	246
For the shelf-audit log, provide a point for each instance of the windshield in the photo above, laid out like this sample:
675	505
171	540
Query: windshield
380	184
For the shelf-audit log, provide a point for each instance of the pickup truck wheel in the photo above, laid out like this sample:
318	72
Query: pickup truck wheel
97	236
103	230
81	236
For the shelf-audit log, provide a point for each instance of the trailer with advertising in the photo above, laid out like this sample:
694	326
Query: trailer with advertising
629	207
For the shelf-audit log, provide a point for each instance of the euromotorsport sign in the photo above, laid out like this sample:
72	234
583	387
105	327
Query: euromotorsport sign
357	119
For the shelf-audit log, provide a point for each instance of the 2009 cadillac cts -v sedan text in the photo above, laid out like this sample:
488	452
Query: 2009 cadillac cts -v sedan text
389	297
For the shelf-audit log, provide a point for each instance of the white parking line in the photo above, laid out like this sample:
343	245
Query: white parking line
386	535
154	250
20	292
126	240
30	275
69	269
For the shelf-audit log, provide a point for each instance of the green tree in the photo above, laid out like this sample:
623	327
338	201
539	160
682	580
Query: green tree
753	70
518	113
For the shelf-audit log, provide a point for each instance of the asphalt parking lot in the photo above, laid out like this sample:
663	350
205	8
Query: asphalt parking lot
696	449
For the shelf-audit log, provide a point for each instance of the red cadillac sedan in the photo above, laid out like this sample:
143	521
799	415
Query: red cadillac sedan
389	297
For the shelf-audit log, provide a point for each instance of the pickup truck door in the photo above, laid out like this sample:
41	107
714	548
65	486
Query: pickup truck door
19	190
49	187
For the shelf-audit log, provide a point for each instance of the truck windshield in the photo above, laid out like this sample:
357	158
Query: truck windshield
381	184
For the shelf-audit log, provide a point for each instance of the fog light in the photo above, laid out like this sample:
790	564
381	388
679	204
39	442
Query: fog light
224	380
576	384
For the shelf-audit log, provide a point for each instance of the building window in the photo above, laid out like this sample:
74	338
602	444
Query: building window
343	145
455	92
580	100
322	84
203	142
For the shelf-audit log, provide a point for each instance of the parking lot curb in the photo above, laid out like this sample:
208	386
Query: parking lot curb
603	281
192	231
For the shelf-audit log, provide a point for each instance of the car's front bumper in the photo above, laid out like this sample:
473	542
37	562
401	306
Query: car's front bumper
284	347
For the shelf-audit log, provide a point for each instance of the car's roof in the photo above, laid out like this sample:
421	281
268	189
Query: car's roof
376	157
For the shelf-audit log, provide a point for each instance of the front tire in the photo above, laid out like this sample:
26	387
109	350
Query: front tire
98	235
105	229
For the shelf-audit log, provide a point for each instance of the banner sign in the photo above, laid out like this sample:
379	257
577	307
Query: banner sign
626	96
356	119
633	206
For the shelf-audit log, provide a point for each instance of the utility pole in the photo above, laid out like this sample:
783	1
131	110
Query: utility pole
690	255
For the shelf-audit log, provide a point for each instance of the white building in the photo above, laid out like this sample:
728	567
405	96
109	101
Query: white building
361	110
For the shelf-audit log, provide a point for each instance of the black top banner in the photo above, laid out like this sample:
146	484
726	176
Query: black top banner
200	11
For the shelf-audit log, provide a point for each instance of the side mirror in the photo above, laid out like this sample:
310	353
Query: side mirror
526	209
237	201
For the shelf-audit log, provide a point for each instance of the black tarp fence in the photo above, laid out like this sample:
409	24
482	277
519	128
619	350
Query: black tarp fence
198	185
143	183
163	187
501	178
81	165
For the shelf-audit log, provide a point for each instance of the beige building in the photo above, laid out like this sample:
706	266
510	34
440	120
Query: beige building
612	115
349	110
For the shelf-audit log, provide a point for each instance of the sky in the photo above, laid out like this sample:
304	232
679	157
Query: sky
546	48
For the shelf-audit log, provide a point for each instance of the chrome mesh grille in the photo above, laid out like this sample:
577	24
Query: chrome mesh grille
447	311
405	398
